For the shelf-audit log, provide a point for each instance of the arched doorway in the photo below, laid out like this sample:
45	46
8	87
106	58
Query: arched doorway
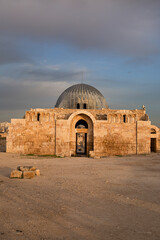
153	144
81	136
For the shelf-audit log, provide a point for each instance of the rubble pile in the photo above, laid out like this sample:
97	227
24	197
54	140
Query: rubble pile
25	172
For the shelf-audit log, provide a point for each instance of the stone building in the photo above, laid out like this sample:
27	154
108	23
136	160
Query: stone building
82	124
3	135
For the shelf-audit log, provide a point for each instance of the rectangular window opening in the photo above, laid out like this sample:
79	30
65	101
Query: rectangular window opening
124	118
38	117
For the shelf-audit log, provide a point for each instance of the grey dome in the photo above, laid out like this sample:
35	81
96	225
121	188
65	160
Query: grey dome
81	96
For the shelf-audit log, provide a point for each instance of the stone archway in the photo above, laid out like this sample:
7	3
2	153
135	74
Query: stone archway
153	145
81	135
81	129
154	138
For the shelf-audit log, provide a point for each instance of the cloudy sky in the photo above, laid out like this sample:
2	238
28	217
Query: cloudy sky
46	45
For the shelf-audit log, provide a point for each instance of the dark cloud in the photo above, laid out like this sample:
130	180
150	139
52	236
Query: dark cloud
9	52
129	27
32	86
15	95
45	74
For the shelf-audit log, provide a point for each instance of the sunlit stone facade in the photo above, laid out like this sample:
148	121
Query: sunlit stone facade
82	124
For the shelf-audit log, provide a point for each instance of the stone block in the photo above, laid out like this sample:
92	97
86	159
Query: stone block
32	168
20	168
28	174
26	168
91	153
37	172
16	174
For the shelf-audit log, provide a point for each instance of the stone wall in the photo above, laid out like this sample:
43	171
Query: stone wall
31	137
121	138
52	131
62	138
143	137
110	115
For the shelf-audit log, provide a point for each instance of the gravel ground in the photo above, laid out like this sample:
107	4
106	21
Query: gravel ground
81	198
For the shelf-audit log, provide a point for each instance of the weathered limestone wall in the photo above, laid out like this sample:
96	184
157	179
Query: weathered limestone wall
121	138
114	139
143	137
62	138
111	115
107	133
31	137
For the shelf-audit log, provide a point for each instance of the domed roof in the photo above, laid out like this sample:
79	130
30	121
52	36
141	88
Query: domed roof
81	96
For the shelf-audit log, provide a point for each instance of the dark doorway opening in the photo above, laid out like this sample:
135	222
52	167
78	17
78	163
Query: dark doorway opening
2	144
81	143
38	116
153	145
81	124
124	118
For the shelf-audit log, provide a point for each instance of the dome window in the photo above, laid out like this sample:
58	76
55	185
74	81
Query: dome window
78	106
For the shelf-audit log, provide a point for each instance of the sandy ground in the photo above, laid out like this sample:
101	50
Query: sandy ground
81	198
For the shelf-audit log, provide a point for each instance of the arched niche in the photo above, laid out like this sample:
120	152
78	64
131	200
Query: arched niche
153	131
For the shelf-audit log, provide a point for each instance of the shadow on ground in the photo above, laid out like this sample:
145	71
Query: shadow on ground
5	171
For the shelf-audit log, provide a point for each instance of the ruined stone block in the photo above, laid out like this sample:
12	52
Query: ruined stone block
16	174
28	174
37	172
26	168
32	168
91	153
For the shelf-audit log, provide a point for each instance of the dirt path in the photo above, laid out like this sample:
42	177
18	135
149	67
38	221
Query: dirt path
81	198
